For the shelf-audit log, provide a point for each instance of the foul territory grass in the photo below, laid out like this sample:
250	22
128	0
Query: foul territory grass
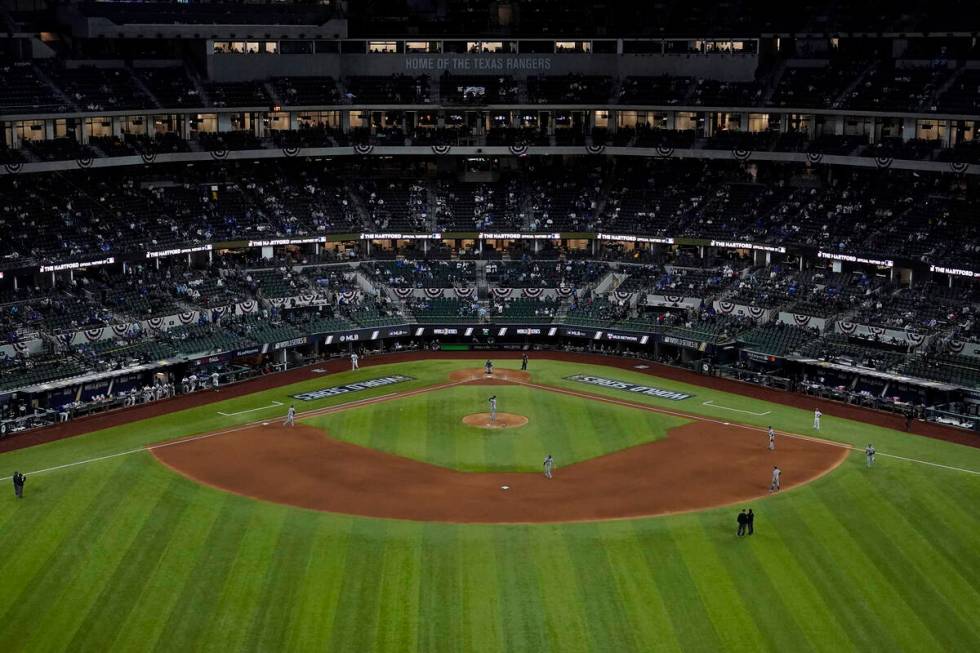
566	427
125	555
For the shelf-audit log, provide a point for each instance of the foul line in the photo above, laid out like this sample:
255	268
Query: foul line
316	412
328	410
701	418
274	404
710	403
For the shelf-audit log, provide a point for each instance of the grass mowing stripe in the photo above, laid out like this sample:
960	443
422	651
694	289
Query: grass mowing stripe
53	583
398	593
638	594
480	621
318	591
928	570
608	624
521	593
858	549
160	588
716	587
794	587
47	512
843	591
109	610
771	607
355	619
277	597
693	627
206	568
960	538
24	564
565	618
239	593
440	598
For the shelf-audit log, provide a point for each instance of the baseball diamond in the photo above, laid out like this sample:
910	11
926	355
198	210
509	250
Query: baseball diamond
204	512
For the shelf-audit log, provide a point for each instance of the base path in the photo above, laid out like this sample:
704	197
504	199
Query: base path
503	421
697	466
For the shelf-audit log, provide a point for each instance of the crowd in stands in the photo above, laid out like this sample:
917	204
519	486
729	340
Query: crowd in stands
422	274
91	213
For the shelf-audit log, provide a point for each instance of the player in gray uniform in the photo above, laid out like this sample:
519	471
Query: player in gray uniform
869	453
353	361
549	466
493	408
774	485
816	419
290	417
772	439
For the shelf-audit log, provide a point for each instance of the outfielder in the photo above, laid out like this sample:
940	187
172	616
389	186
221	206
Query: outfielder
549	465
353	361
774	485
290	417
869	453
493	408
772	439
816	419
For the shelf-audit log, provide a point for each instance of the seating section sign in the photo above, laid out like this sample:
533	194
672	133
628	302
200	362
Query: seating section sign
352	387
647	390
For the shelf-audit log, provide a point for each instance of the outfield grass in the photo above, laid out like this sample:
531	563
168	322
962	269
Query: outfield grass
567	427
125	555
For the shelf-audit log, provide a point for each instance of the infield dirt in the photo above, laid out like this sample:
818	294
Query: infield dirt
698	466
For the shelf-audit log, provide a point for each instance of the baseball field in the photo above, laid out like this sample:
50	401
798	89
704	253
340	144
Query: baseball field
397	516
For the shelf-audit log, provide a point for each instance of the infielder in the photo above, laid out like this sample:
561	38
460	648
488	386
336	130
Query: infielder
774	485
816	419
488	367
353	361
869	453
290	417
772	439
549	465
493	408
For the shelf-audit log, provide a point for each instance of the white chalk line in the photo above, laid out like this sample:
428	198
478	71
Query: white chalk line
799	436
317	412
274	404
710	403
327	410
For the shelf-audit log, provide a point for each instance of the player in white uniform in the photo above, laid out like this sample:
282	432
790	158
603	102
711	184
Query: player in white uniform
816	419
493	408
772	439
869	453
549	465
774	485
353	361
290	417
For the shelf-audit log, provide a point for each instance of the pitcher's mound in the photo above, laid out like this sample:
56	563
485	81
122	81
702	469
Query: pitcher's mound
503	421
477	376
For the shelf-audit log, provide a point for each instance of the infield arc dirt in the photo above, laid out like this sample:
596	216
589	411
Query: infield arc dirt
697	466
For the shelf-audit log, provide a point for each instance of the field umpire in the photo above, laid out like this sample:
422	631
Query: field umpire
19	480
